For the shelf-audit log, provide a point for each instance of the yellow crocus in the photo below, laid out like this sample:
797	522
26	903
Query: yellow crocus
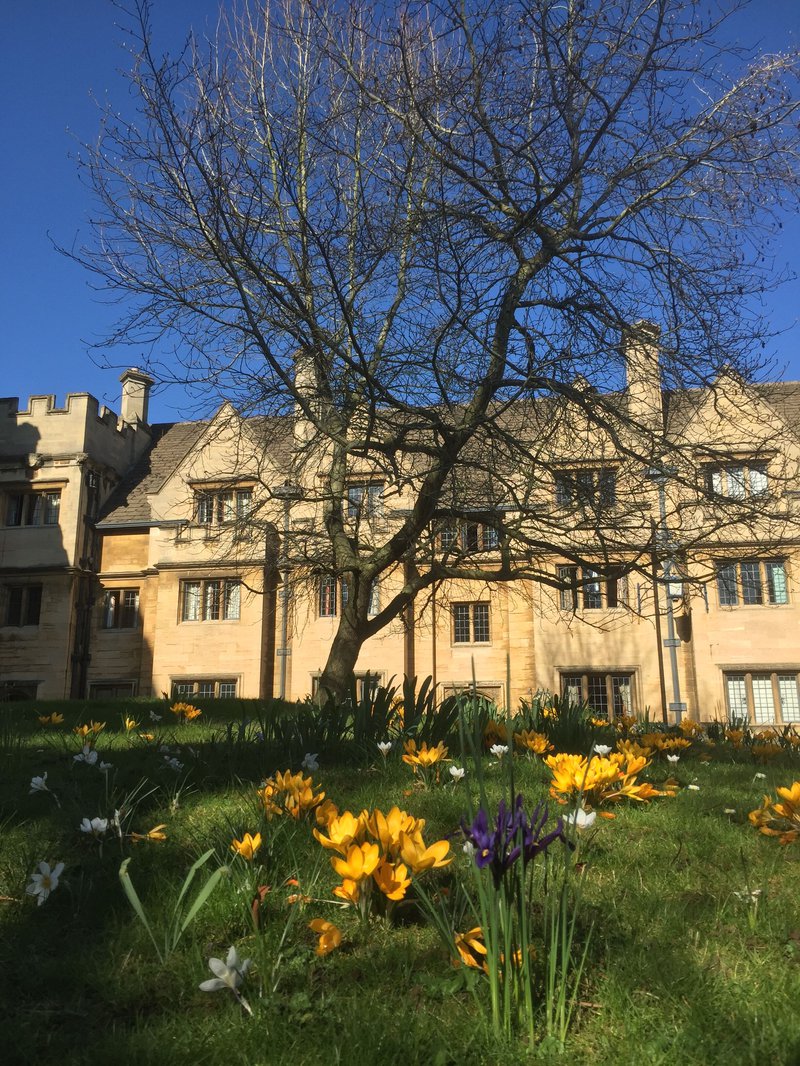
343	831
247	846
130	724
536	743
392	880
423	757
419	857
330	936
360	861
348	890
156	833
51	719
471	949
387	828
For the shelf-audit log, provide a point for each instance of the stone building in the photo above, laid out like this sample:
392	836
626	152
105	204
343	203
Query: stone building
141	559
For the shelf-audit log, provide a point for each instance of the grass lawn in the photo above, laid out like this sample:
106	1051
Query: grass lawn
692	918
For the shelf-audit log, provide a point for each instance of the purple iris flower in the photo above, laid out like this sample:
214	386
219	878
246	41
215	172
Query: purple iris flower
513	833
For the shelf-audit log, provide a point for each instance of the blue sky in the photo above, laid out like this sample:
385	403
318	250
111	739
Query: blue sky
59	62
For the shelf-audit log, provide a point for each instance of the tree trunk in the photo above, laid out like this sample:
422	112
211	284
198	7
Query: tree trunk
338	673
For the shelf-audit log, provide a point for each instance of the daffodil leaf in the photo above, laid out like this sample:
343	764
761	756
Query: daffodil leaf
136	903
202	896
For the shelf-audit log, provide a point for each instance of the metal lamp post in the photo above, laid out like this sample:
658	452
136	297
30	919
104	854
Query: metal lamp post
288	493
659	476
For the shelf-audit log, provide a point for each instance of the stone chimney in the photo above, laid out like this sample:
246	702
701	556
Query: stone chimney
135	397
640	350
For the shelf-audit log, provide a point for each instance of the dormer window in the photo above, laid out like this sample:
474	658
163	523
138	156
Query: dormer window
738	481
223	506
586	487
365	500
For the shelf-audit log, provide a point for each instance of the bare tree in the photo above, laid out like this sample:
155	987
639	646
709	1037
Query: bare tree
421	230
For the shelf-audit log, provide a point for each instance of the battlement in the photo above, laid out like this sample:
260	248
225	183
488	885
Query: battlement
81	425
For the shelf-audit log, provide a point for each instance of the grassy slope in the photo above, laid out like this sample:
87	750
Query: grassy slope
680	969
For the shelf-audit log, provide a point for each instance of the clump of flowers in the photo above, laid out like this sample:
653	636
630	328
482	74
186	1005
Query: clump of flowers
51	719
185	712
664	742
631	747
88	733
600	779
289	794
494	733
377	854
766	751
531	741
424	760
780	820
513	835
690	728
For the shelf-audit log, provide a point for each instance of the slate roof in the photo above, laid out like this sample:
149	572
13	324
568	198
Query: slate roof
171	442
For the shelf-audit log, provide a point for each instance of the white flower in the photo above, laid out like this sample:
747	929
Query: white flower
468	849
229	974
384	747
693	788
581	818
601	749
309	761
457	772
39	784
760	777
97	826
729	810
88	755
45	881
155	717
104	767
174	764
499	750
165	749
749	897
673	758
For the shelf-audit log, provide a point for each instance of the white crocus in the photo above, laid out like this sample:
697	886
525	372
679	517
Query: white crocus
155	717
499	750
601	749
174	764
45	881
310	762
581	818
729	810
97	827
88	755
468	849
673	758
759	777
104	767
229	974
39	784
693	788
457	772
384	747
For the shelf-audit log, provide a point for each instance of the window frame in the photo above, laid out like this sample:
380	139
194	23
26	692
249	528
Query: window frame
611	582
213	599
473	618
745	676
586	486
22	606
191	687
750	477
217	507
364	499
602	680
123	615
740	587
33	508
468	536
